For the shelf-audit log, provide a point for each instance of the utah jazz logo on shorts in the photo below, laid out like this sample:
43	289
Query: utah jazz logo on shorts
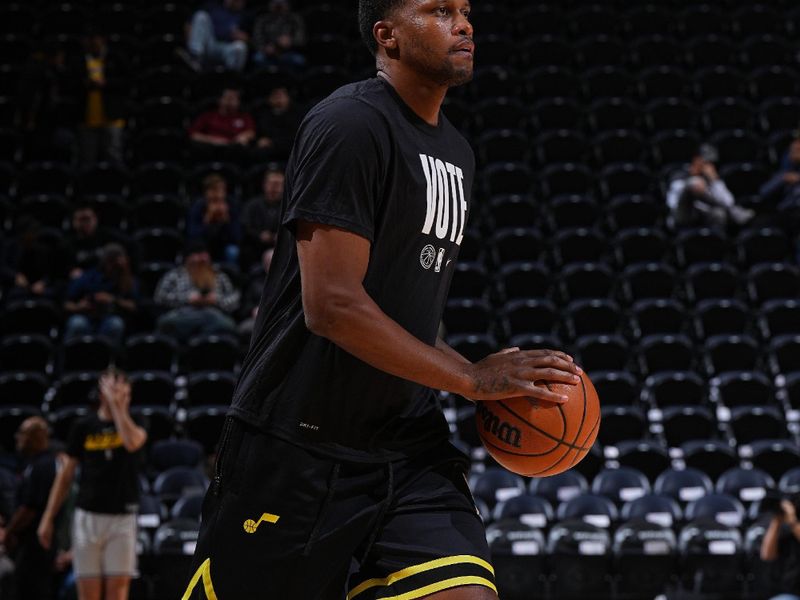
250	525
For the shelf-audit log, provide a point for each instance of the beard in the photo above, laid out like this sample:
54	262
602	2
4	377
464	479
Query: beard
447	72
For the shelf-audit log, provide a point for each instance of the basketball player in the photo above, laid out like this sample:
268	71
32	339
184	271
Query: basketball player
335	477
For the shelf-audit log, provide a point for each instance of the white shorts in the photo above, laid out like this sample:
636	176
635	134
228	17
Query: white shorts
103	545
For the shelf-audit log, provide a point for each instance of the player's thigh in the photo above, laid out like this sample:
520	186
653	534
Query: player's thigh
431	541
119	552
264	530
466	592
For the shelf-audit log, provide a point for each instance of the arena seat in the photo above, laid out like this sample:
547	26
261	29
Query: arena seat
683	485
741	388
750	423
208	388
517	244
592	316
685	423
496	485
648	280
173	546
580	245
518	554
621	423
780	317
615	120
602	353
524	280
713	457
210	352
665	352
652	508
773	281
632	210
658	316
86	353
712	557
645	560
188	506
762	245
591	508
784	354
647	456
731	353
512	212
529	316
722	316
775	457
619	388
533	511
672	388
621	484
26	352
177	481
748	485
580	560
583	280
701	245
559	488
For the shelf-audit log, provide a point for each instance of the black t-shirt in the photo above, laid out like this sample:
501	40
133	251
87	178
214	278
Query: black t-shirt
365	162
34	487
109	473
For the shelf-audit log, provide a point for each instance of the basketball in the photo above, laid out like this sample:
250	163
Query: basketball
536	440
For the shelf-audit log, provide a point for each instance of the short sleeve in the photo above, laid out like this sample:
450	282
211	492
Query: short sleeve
338	167
75	440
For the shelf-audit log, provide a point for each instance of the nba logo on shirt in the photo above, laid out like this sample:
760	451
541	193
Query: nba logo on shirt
439	258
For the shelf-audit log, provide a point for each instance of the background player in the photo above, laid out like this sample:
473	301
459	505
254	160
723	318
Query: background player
105	444
336	448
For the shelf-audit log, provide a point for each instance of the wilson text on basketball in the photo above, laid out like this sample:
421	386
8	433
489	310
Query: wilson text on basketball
505	432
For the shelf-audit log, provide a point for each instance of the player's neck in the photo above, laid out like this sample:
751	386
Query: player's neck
421	96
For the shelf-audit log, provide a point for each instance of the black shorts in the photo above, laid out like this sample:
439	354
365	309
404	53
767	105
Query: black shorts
284	523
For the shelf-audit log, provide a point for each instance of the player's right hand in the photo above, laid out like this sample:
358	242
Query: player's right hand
509	374
45	533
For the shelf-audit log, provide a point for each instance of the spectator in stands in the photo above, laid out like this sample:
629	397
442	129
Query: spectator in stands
33	573
104	103
42	112
782	191
214	220
30	266
200	297
217	36
277	125
87	238
103	298
781	543
252	295
225	133
697	196
261	216
278	36
106	444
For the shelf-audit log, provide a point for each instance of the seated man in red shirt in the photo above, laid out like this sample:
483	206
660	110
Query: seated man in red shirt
224	133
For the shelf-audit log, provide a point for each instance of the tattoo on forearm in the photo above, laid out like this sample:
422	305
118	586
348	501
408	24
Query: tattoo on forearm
493	384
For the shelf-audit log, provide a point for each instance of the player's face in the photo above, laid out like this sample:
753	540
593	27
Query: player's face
435	38
273	187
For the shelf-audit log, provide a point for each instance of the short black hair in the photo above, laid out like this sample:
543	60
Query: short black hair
369	13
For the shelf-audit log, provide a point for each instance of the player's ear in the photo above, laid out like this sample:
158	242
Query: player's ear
383	31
